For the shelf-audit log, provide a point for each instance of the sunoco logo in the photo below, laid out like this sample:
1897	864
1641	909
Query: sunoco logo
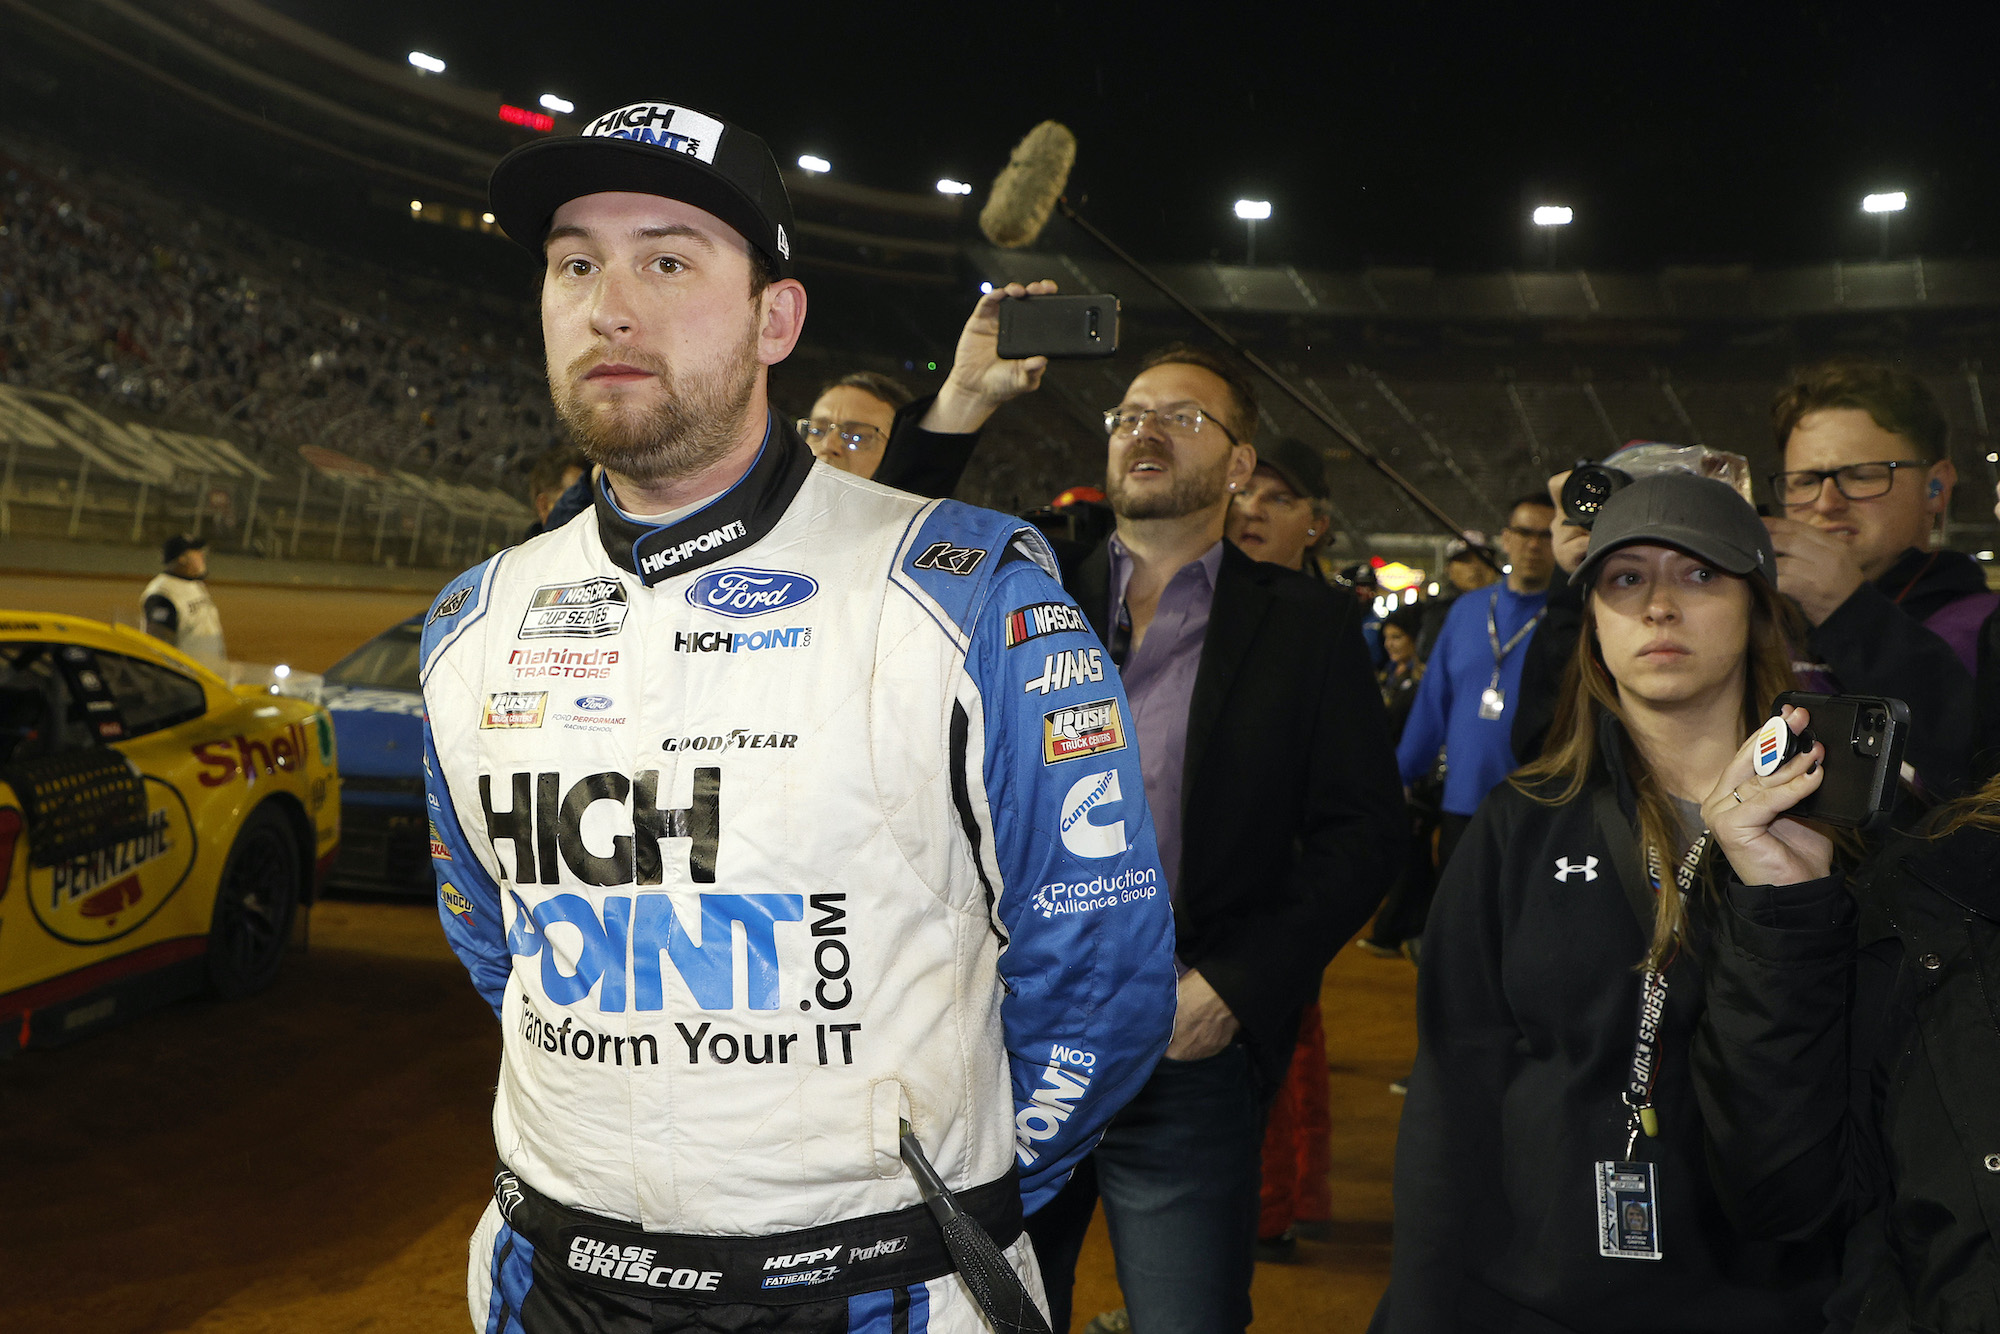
743	592
1064	899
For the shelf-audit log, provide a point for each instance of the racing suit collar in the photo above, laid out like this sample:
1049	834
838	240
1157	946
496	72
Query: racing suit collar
724	527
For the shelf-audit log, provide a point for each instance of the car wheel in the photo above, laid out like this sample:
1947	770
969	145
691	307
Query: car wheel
253	906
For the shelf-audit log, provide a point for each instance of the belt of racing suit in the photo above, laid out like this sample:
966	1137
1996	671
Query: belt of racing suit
828	1262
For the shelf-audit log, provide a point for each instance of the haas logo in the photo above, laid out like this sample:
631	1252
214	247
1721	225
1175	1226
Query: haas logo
1588	869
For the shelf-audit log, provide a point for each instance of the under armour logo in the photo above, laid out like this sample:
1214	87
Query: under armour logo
1564	870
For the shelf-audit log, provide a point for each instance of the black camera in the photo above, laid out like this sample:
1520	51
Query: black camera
1586	489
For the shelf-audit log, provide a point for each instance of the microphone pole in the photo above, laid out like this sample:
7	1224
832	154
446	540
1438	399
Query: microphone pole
1353	442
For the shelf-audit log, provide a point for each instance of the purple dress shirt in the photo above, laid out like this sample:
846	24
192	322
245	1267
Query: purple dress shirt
1159	684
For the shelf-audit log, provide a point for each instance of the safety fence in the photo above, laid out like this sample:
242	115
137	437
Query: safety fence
72	473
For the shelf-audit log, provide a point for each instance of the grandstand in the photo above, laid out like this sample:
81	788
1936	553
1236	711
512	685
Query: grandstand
245	287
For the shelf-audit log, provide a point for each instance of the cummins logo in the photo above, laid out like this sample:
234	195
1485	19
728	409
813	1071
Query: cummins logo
1089	793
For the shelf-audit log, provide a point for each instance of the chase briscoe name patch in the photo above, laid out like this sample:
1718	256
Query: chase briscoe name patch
515	708
634	1264
1043	618
1083	729
662	125
588	610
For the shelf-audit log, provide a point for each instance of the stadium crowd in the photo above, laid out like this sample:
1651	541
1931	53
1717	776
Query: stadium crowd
116	294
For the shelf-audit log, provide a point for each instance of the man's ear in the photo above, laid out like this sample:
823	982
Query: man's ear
781	312
1942	477
1242	465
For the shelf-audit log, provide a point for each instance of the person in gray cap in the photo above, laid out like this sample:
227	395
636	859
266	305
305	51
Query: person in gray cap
1283	513
176	605
864	734
1578	914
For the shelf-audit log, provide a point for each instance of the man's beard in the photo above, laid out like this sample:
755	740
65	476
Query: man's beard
1192	491
695	422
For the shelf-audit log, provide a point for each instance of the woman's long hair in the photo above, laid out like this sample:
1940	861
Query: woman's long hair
1589	692
1980	809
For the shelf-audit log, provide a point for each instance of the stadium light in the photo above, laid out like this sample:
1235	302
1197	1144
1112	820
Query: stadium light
428	64
1252	211
1554	215
561	106
948	186
486	218
1893	202
416	206
811	163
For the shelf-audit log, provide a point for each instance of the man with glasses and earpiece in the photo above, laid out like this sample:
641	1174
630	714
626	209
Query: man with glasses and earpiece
1866	483
868	424
1265	753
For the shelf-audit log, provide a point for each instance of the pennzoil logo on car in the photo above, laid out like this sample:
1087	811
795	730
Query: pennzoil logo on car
590	609
1041	618
515	708
1082	729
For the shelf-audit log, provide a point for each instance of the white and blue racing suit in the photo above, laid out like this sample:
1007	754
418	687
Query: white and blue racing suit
811	813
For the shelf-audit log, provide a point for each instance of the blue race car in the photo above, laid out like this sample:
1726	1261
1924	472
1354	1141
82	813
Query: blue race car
378	715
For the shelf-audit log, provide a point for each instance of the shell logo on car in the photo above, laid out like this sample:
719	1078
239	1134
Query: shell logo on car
159	829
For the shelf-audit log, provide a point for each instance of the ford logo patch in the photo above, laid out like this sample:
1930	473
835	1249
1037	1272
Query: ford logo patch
594	703
742	592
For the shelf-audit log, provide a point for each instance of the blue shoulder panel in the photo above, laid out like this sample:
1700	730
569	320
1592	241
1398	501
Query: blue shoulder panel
459	606
952	552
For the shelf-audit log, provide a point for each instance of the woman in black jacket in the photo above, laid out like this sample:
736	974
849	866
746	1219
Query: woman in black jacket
1550	1170
1849	1062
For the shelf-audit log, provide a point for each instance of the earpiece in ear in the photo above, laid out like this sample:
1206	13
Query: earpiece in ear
1937	488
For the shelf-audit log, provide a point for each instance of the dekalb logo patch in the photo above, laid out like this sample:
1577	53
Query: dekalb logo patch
662	125
451	606
591	609
515	708
1042	618
745	592
1084	729
439	852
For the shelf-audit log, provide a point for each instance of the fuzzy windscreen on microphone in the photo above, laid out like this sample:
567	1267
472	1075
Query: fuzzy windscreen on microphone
1026	190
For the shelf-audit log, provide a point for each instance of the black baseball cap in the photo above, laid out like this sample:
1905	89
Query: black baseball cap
1302	467
1704	517
179	545
651	148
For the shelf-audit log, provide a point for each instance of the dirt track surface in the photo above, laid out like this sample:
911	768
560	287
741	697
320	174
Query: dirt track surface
314	1158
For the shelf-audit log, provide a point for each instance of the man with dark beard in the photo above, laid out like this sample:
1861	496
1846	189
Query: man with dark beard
748	692
1268	767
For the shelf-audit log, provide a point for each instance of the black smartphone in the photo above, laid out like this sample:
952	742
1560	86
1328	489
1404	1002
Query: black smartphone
1058	326
1864	737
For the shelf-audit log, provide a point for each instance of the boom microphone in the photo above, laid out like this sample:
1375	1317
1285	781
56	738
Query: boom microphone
1030	188
1025	192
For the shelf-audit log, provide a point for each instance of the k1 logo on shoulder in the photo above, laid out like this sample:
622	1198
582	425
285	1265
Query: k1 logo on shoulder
1068	668
1085	729
591	609
1093	792
515	708
745	592
1043	618
952	560
451	606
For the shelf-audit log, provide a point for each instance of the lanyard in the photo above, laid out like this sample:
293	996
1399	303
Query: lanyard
1493	633
1653	1009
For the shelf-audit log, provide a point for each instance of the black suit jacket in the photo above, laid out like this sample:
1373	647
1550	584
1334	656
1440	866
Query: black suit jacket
1292	820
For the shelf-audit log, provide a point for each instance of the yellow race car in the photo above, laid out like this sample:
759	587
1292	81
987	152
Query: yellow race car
158	829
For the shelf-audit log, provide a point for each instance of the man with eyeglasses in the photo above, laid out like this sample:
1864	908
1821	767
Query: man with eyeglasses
868	424
1867	479
1471	690
1265	754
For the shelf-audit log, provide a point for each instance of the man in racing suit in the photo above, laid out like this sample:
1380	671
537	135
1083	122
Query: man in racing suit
749	695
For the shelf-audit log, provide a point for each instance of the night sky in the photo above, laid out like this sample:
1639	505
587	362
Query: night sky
1410	133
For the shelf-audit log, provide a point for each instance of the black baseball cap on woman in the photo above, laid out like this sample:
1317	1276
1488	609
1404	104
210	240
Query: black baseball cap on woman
650	148
1707	518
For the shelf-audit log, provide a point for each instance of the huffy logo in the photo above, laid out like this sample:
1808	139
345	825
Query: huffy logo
1588	869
